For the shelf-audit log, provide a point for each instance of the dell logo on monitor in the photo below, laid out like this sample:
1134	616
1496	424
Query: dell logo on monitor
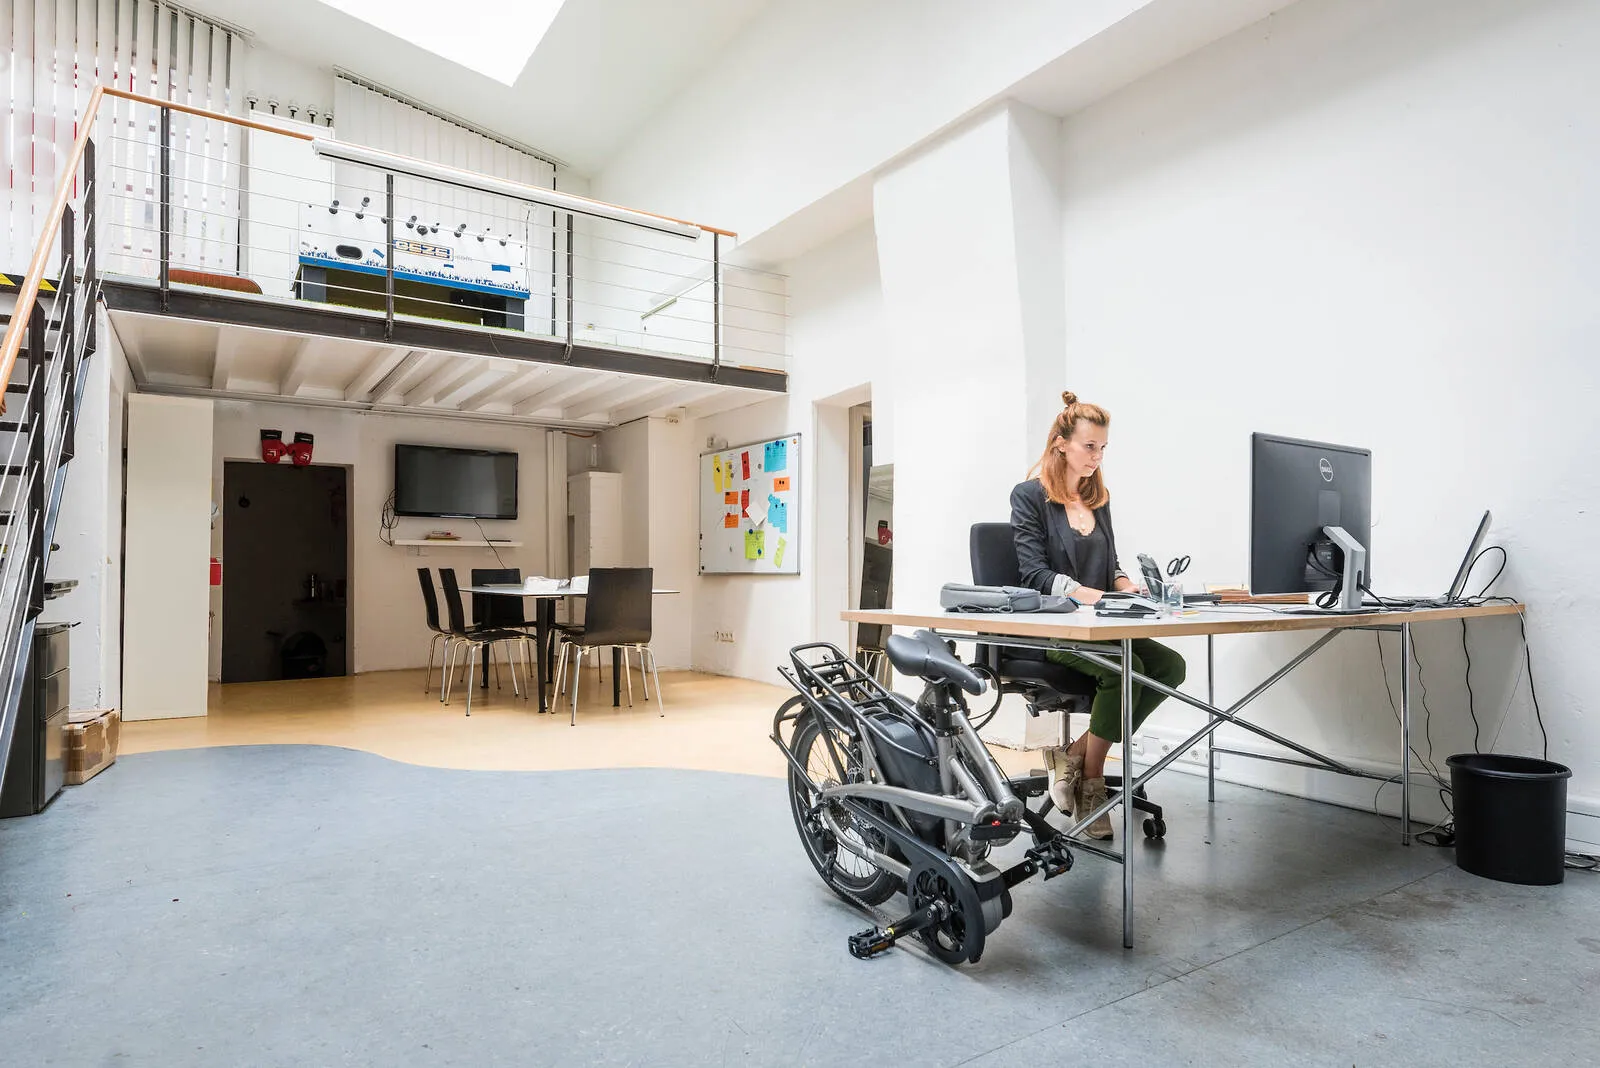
1326	468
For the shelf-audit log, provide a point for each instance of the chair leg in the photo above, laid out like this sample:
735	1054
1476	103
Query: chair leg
472	655
645	651
644	678
627	672
511	666
451	649
577	677
561	668
427	680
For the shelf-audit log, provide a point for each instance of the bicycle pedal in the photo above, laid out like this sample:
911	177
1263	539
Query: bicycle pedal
1053	857
994	831
870	943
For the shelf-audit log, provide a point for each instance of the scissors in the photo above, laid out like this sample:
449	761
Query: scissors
1177	566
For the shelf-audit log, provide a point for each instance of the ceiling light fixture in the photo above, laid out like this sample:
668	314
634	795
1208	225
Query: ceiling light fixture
483	183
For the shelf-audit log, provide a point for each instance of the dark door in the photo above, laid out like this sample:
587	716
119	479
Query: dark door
285	571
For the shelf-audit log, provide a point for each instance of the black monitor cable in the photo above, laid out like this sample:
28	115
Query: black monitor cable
387	522
491	545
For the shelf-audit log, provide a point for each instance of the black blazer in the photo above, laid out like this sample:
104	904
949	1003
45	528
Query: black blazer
1044	540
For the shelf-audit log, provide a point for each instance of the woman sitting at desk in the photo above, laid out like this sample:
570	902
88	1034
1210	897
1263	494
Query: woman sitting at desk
1061	521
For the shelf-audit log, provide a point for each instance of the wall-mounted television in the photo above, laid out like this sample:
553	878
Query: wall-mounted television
438	482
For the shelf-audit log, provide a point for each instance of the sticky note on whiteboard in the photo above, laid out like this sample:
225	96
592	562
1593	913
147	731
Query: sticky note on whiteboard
755	544
716	473
777	513
730	521
777	557
776	457
731	497
780	484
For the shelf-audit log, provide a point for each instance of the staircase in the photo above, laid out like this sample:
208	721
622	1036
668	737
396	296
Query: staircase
49	333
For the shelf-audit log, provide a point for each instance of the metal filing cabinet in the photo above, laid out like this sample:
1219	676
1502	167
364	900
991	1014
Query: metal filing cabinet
37	763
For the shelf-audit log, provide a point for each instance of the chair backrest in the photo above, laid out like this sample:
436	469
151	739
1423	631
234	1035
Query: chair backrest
617	610
994	555
452	600
430	599
492	610
993	552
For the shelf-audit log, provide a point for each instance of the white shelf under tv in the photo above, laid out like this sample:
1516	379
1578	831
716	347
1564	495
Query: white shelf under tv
464	542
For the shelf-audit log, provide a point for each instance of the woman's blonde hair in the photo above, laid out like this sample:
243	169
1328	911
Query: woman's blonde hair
1051	469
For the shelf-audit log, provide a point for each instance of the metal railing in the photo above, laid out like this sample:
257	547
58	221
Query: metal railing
194	195
48	343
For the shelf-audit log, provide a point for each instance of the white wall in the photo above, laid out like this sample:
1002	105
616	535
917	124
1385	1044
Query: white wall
169	440
388	628
1396	193
838	338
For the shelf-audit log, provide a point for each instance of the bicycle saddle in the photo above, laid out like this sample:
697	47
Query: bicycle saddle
925	656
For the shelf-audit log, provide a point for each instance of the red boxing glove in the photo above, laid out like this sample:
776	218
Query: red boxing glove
272	446
300	451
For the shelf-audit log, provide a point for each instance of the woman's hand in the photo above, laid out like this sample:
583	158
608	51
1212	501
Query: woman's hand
1086	594
1126	585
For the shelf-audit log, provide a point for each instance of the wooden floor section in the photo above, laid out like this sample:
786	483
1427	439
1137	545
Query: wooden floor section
712	723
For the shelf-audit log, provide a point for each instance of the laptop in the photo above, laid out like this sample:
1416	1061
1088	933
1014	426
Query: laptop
1458	586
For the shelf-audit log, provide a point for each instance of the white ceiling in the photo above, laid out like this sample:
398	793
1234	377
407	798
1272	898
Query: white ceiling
601	71
187	357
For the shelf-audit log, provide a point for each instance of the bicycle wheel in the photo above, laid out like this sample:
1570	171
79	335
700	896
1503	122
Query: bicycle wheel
852	877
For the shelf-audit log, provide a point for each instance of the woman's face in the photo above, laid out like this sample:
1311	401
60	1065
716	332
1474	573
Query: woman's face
1085	450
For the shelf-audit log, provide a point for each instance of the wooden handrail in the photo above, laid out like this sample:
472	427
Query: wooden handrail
28	295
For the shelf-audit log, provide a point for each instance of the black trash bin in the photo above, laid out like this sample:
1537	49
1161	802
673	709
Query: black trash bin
1511	817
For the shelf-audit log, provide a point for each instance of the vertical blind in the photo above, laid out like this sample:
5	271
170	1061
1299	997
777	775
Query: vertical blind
370	118
59	50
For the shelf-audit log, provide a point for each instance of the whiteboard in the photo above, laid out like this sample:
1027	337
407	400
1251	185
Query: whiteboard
750	508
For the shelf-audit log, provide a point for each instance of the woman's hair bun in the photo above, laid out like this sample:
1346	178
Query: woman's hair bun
1068	398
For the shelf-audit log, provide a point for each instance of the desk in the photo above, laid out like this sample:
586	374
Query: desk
1073	630
544	618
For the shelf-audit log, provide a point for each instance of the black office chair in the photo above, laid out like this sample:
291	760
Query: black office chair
430	606
499	612
474	638
1044	685
616	612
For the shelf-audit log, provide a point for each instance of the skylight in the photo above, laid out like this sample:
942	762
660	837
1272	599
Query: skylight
496	39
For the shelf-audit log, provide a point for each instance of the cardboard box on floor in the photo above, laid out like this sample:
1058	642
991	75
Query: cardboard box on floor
91	743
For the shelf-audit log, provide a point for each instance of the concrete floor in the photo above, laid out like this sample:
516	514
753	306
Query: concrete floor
290	905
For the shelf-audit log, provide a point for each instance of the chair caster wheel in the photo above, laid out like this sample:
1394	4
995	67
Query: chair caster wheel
1155	828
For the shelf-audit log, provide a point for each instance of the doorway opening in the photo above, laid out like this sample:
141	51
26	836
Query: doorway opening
286	560
876	540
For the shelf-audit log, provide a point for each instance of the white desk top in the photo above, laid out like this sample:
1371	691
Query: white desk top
1084	626
579	588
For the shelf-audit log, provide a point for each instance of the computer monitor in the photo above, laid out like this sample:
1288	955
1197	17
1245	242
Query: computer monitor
1306	495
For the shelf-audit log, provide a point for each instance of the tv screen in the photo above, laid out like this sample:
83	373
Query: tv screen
454	483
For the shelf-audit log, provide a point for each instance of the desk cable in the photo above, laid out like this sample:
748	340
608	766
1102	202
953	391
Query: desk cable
387	521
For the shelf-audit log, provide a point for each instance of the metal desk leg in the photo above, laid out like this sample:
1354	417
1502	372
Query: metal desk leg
541	638
616	680
1405	734
1211	699
1127	793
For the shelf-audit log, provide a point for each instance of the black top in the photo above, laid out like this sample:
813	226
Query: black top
1047	545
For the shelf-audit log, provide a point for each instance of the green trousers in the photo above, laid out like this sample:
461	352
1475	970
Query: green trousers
1150	658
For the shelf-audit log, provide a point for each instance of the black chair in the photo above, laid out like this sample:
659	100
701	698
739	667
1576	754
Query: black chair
430	606
1045	685
616	613
474	638
500	612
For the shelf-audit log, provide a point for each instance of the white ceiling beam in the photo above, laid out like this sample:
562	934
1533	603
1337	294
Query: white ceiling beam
298	367
727	399
473	383
676	395
558	394
627	391
229	342
499	388
377	368
417	363
448	377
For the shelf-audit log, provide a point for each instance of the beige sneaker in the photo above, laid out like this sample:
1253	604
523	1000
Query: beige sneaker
1066	773
1092	794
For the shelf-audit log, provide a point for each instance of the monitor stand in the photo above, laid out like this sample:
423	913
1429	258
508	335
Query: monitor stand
1354	571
